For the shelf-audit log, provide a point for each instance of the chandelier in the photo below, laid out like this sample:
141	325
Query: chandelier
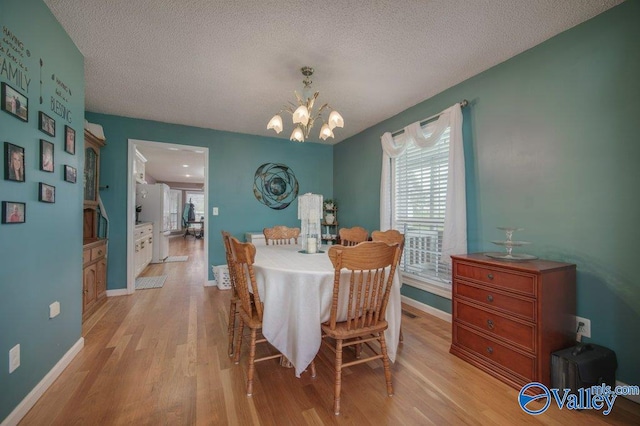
304	117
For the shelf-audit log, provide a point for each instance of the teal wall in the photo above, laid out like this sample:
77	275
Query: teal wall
40	260
551	141
233	160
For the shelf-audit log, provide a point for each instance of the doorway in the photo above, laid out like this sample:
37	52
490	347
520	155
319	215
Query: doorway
174	168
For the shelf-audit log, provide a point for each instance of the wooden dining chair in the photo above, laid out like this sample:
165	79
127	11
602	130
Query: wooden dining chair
235	300
279	235
353	236
243	257
371	267
391	236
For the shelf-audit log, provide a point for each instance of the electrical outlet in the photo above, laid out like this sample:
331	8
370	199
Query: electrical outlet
14	358
586	328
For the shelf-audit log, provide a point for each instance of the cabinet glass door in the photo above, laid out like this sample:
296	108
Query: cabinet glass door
90	174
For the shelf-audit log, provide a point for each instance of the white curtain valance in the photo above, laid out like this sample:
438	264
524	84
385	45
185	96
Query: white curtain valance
455	222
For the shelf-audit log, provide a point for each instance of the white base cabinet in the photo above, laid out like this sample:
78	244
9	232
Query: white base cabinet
143	237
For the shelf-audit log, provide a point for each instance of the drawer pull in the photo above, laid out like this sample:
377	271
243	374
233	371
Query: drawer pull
489	298
489	350
490	324
490	276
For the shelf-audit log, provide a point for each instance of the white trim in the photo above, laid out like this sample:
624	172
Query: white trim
210	283
432	288
131	203
427	309
30	400
117	292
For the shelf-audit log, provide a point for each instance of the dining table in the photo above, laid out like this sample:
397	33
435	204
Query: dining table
297	291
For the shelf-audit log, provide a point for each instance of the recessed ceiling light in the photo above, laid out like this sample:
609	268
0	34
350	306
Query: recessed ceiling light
198	152
188	175
173	149
185	165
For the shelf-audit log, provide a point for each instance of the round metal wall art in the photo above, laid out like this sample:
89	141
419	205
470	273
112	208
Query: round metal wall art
275	185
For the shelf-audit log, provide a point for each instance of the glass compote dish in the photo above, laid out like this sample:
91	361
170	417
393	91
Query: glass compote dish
509	244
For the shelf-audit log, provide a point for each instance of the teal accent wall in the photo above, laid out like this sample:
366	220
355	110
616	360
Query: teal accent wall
233	160
40	260
551	145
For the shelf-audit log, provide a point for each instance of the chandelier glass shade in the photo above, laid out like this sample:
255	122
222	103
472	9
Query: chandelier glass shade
304	116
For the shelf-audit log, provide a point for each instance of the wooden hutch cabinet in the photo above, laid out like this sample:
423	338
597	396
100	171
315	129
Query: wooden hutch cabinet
508	317
94	256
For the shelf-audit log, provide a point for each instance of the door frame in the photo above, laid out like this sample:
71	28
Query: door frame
131	203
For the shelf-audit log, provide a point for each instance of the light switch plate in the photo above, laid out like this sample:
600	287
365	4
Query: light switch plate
215	211
54	309
14	358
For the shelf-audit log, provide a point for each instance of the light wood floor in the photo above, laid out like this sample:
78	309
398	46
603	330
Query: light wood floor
159	357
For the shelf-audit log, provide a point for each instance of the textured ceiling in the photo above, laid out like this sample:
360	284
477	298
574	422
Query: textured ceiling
166	162
231	64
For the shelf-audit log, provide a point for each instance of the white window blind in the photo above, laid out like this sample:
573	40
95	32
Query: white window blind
419	192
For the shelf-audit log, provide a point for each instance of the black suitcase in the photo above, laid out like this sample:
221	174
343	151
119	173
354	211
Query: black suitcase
583	366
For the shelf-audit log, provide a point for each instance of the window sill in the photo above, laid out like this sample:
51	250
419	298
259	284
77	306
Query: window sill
427	286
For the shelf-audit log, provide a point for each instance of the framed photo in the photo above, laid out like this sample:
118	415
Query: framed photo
14	102
14	212
14	162
46	156
46	193
70	174
46	124
69	140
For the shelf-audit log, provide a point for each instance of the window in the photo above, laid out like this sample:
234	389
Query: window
197	198
418	205
175	209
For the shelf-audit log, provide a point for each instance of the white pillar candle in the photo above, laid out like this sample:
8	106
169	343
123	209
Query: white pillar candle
311	245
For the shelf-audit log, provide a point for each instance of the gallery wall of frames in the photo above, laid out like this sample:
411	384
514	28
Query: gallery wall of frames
54	149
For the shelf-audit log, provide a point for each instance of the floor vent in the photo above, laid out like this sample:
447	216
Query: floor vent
409	314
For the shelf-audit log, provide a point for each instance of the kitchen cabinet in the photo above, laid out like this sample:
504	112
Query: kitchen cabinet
139	167
143	238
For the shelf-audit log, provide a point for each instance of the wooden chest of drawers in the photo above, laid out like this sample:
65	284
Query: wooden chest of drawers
508	317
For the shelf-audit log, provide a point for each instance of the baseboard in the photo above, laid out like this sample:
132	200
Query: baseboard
117	292
210	283
634	398
427	309
30	400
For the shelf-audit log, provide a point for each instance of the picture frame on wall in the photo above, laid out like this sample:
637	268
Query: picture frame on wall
69	140
14	102
70	174
46	124
14	162
46	156
14	212
46	193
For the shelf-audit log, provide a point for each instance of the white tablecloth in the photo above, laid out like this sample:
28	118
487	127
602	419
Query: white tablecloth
297	289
